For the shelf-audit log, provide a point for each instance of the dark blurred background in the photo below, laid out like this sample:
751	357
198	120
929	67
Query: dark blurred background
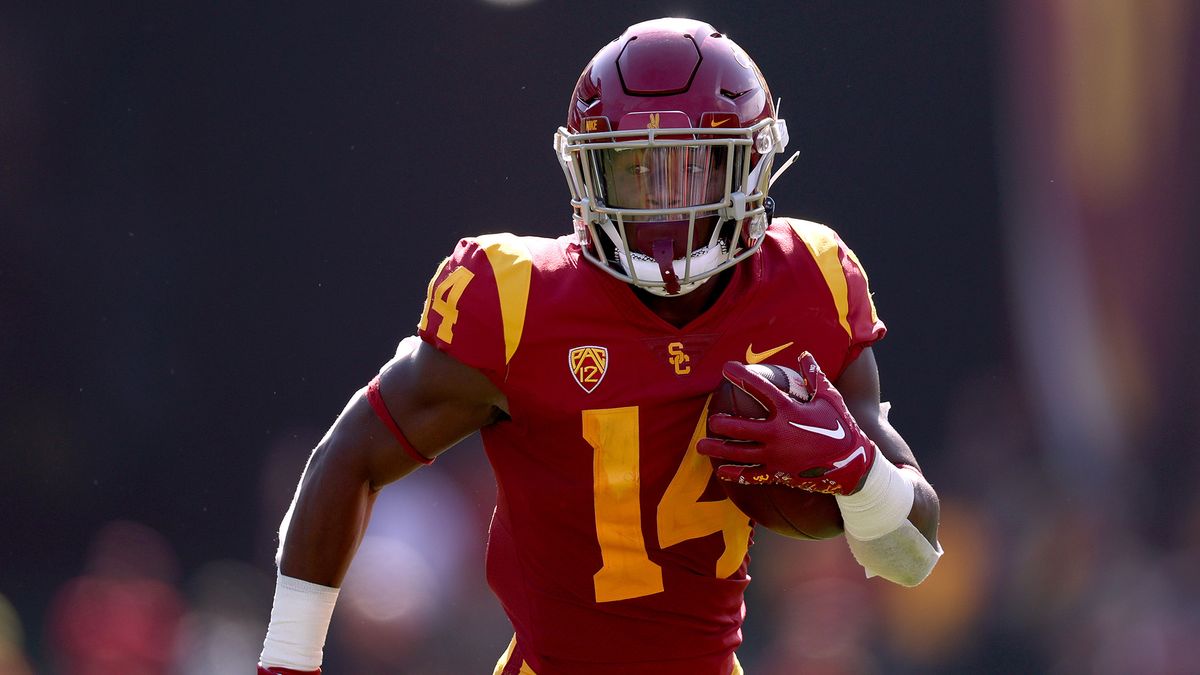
217	221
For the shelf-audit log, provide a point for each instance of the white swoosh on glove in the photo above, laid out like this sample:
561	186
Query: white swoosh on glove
837	433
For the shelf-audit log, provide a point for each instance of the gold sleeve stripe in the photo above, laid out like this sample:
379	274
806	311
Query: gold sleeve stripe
504	659
863	271
511	265
822	244
429	294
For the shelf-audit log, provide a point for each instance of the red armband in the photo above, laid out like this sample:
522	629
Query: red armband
262	670
381	411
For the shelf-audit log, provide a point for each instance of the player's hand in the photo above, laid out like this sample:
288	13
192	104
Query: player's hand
815	445
277	670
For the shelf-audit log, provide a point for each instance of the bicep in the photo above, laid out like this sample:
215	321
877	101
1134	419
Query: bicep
436	401
433	398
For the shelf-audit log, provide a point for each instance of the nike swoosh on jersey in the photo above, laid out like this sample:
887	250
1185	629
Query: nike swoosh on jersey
752	357
837	433
859	451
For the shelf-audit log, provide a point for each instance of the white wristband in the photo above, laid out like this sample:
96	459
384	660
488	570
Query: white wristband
882	504
299	621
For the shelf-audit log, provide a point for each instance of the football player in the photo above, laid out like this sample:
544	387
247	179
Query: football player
587	362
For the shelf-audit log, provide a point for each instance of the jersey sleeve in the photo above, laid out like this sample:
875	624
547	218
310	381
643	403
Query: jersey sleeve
475	305
846	279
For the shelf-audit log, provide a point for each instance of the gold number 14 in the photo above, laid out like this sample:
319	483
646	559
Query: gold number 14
627	571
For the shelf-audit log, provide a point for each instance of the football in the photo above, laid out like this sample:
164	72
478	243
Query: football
792	512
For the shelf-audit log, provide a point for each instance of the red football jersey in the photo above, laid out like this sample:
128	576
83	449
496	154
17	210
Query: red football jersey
612	548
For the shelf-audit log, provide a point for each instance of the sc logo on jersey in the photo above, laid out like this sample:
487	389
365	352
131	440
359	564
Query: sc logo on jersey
588	365
678	359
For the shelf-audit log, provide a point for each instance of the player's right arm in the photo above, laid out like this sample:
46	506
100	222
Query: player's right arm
442	385
433	401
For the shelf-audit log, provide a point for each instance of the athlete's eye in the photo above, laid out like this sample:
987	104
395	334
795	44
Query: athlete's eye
695	168
639	169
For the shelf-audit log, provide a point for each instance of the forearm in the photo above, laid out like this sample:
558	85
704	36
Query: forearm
891	524
926	509
327	519
318	539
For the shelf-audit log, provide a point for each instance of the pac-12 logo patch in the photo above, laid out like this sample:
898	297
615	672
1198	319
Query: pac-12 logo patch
588	365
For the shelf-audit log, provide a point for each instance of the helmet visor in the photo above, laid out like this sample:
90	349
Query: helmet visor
669	178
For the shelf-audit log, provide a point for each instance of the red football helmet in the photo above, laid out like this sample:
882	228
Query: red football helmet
668	148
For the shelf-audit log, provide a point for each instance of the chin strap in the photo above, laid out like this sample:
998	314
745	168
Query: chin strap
664	255
647	268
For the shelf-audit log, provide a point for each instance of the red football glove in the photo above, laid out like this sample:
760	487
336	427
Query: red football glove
815	445
277	670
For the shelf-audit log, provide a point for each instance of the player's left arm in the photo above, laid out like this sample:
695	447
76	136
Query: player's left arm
859	384
892	520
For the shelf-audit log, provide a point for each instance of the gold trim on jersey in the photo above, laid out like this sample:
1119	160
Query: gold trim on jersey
511	265
822	244
526	670
863	271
